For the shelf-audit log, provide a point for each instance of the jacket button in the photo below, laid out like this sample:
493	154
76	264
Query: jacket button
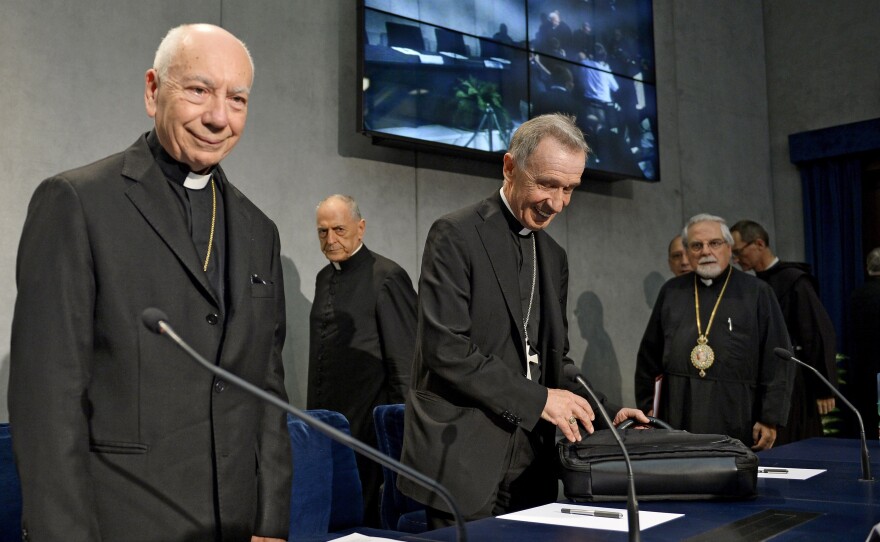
212	319
219	386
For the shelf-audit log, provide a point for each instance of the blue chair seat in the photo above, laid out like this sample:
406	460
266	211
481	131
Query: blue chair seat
397	510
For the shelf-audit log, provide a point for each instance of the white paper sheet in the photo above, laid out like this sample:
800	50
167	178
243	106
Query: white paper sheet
790	474
551	514
357	537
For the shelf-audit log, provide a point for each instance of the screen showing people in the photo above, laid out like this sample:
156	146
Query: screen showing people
468	78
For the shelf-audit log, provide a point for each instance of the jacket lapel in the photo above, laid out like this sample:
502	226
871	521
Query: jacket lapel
239	239
494	233
155	202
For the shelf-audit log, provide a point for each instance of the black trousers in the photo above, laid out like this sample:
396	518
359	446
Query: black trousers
529	480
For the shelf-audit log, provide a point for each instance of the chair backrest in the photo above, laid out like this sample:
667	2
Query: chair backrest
10	490
326	493
450	42
389	432
404	35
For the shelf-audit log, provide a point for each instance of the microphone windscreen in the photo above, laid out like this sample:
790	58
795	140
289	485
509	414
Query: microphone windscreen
151	318
570	371
782	353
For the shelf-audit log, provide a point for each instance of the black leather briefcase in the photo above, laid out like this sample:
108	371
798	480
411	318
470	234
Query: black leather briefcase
667	465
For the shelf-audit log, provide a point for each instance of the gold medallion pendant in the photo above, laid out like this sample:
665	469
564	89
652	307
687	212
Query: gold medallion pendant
702	356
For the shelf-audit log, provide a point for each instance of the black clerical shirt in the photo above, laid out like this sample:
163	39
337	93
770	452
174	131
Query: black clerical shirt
196	209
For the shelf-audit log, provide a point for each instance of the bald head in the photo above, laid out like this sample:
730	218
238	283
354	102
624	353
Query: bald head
198	92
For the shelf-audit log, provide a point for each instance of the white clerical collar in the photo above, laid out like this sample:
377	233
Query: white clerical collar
338	267
774	262
707	282
525	231
194	181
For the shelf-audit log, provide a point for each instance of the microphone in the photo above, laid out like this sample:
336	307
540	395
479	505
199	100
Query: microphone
632	505
866	464
157	321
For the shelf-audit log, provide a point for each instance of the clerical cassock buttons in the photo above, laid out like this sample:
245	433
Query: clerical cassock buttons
212	319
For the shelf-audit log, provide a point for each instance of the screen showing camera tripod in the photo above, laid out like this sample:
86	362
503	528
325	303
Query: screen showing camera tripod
462	76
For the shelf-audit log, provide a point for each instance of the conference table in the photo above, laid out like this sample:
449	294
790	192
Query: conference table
834	505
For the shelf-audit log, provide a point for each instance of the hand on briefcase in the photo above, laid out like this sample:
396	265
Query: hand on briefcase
668	464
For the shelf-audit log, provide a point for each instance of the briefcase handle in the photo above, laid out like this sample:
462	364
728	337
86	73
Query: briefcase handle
653	422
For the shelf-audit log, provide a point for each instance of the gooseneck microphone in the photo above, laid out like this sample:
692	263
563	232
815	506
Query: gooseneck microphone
156	321
866	464
632	504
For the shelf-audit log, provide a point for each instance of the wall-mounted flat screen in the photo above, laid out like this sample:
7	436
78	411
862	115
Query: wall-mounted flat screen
461	76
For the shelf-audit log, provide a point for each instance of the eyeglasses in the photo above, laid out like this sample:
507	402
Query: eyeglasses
737	252
696	247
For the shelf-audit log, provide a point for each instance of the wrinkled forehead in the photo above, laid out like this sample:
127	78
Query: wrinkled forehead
708	229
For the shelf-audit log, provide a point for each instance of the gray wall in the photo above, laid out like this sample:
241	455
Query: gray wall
72	92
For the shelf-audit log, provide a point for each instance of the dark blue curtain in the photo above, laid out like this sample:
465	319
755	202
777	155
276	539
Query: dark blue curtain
832	193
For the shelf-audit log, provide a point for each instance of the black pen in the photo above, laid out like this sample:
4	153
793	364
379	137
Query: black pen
593	513
773	471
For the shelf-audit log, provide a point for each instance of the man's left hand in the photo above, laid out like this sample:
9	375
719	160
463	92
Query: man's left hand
627	413
764	435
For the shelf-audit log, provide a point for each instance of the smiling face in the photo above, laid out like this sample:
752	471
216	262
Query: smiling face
541	190
200	105
706	260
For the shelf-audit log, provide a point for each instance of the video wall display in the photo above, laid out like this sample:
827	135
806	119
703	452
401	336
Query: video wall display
461	76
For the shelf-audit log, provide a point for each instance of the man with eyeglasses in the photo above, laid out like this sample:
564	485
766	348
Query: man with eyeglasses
809	326
711	337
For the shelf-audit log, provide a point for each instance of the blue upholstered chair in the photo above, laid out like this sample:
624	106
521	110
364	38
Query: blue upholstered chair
10	490
326	494
398	511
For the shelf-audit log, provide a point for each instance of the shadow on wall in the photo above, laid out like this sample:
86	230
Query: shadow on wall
651	285
4	387
600	365
296	346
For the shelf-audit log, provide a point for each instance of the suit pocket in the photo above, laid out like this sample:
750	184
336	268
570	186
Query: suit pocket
112	447
262	290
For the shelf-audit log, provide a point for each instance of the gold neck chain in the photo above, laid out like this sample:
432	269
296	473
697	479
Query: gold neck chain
702	339
214	219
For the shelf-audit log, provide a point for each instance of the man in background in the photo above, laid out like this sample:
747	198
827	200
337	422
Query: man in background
119	435
809	328
711	337
361	333
488	390
678	260
865	323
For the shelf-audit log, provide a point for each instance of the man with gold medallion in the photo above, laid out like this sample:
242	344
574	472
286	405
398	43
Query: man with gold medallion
711	337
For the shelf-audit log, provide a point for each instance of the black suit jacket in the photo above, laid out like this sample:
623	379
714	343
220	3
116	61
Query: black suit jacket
469	390
118	434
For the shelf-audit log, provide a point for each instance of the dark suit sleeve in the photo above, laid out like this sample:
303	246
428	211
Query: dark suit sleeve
51	357
273	513
649	361
776	377
450	334
396	320
816	342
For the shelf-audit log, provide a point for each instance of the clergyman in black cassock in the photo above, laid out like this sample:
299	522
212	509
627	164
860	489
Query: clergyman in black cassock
747	390
362	333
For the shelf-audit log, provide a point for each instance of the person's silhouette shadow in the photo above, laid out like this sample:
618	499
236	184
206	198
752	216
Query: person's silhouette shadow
600	364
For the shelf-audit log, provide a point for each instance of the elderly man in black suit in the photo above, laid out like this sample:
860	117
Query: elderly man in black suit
488	390
118	434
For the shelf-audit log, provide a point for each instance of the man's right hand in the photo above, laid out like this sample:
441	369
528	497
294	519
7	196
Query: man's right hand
561	406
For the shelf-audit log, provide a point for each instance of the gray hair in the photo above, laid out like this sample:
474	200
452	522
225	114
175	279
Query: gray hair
873	262
705	217
353	208
556	125
170	45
